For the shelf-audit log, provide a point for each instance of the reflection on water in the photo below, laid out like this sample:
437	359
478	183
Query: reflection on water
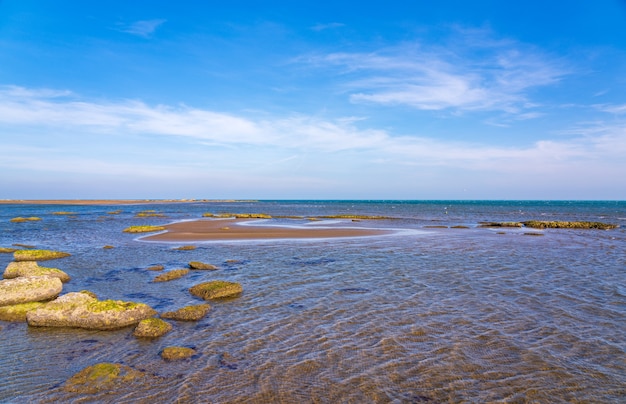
443	315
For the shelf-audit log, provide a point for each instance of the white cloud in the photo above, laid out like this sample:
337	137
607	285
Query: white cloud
473	72
143	28
330	25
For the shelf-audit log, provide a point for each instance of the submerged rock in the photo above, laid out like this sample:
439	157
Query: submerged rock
156	268
216	290
542	224
83	311
185	248
202	266
17	312
171	275
31	268
152	328
188	313
29	289
143	229
38	255
25	219
171	353
101	376
7	250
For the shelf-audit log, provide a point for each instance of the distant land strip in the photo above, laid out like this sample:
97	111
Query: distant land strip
109	201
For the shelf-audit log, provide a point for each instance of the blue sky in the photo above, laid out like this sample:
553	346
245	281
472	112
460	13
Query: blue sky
323	100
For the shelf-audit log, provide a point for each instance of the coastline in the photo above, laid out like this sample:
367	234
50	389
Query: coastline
231	229
110	201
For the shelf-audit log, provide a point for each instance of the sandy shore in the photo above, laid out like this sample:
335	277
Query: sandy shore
105	201
231	229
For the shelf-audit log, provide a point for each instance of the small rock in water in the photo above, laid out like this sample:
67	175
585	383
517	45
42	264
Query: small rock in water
152	328
216	289
188	313
171	353
202	266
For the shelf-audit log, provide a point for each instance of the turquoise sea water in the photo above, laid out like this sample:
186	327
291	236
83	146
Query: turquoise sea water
421	315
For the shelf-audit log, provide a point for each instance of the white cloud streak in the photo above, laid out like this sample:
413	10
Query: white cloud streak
143	28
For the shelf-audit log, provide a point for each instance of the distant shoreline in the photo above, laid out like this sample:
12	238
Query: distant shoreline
110	201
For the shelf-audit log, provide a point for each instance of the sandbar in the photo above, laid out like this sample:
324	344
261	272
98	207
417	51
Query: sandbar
231	229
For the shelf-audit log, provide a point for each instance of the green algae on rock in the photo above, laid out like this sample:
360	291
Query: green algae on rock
29	289
17	312
545	224
171	353
31	268
101	376
38	255
7	250
143	229
216	290
80	310
25	219
171	275
188	313
202	266
152	328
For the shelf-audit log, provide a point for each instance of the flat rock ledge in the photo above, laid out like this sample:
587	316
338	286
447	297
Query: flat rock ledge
102	377
171	275
152	328
31	268
172	353
216	290
197	265
29	289
188	313
81	310
38	255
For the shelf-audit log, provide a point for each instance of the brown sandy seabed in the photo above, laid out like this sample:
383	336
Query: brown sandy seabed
231	229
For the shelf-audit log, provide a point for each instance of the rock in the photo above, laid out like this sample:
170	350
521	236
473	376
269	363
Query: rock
83	311
171	353
152	328
31	268
500	224
202	266
25	219
216	290
108	247
143	229
7	250
38	255
185	248
17	312
156	268
101	376
171	275
188	313
541	224
29	289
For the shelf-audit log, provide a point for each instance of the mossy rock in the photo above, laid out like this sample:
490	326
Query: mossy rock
216	290
459	227
27	246
102	377
17	312
149	214
89	293
155	268
31	268
172	353
25	219
38	255
185	248
63	213
7	250
436	226
114	212
188	313
171	275
108	247
197	265
80	310
29	289
152	328
543	224
143	229
500	224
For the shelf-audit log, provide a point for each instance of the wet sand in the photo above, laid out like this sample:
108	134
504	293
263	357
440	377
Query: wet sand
231	229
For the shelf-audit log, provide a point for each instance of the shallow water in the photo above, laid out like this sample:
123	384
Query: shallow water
424	315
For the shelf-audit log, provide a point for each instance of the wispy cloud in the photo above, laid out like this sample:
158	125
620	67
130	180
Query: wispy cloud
473	72
143	28
325	26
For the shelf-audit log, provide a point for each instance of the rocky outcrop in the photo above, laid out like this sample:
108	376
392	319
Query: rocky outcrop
202	266
143	229
171	275
188	313
83	311
31	268
100	377
542	224
171	353
17	312
29	289
216	290
38	255
152	328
